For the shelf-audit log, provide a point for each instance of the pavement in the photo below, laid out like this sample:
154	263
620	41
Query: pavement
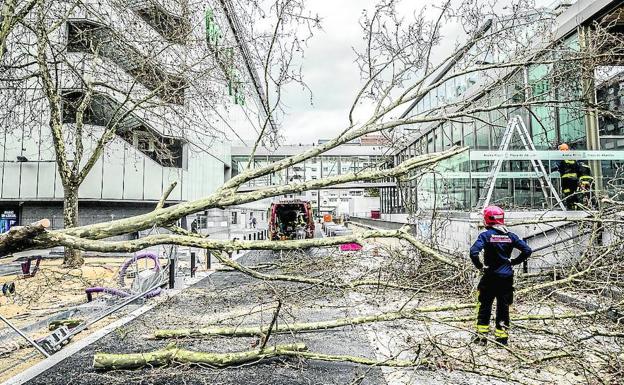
231	298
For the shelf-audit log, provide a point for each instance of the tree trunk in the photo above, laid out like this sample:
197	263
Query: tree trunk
172	354
73	257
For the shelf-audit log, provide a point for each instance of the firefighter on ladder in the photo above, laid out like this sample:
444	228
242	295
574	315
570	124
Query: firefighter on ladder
569	174
497	243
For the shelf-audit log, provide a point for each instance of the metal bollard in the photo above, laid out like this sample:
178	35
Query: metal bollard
193	264
208	258
171	273
254	236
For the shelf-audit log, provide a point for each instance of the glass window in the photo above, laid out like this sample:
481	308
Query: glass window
430	143
542	121
482	131
439	139
469	134
447	134
331	166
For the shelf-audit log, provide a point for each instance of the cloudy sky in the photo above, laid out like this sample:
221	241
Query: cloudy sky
330	71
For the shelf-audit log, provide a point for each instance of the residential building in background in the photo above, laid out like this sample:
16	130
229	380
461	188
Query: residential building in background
348	198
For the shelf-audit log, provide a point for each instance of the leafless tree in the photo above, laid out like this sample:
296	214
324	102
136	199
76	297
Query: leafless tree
424	288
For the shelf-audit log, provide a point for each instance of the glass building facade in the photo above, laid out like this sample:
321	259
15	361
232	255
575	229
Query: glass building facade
458	183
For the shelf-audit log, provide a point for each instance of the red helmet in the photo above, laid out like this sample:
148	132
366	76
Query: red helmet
493	215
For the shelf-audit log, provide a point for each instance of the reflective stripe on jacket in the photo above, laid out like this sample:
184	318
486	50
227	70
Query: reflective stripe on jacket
568	169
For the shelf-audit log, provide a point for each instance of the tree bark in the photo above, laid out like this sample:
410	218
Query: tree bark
72	257
172	354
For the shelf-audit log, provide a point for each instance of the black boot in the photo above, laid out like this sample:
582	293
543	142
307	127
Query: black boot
480	339
502	341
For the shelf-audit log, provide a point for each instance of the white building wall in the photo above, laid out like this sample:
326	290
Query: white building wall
124	173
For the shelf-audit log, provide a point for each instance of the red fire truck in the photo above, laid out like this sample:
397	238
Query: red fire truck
291	219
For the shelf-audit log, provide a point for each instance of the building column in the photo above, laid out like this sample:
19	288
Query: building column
591	118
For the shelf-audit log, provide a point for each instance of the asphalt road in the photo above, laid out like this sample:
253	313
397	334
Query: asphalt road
220	295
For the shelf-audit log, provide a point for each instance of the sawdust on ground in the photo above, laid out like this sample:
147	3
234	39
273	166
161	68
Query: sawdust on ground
53	289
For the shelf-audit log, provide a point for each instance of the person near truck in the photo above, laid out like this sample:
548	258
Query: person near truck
497	244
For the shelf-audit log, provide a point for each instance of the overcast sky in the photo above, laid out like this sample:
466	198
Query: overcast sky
330	71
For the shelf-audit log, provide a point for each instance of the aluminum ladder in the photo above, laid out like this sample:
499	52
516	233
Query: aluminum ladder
516	123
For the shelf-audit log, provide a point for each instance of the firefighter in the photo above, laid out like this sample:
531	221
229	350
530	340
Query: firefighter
569	172
586	184
497	273
300	219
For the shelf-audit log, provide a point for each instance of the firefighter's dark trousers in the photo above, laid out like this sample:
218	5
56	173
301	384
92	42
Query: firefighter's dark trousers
494	287
568	189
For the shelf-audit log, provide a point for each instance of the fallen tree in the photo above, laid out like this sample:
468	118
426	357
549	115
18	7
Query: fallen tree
389	65
172	354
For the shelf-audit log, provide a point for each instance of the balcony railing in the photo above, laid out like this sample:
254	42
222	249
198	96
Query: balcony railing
170	25
105	111
91	37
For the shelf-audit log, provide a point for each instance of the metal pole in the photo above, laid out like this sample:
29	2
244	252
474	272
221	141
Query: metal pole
192	264
33	343
112	310
591	117
171	273
208	257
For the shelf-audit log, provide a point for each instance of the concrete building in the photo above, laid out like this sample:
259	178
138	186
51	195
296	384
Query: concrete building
360	197
157	71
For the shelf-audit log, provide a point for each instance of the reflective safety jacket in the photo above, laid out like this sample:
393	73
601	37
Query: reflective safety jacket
568	169
585	173
497	245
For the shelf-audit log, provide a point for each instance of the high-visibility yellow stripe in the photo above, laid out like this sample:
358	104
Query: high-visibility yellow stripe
586	177
570	161
501	333
570	175
483	328
566	190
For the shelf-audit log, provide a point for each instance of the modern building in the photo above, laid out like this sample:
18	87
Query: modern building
170	77
587	115
348	198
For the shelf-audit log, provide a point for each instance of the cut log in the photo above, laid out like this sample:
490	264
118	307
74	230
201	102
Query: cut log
171	354
20	238
238	331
